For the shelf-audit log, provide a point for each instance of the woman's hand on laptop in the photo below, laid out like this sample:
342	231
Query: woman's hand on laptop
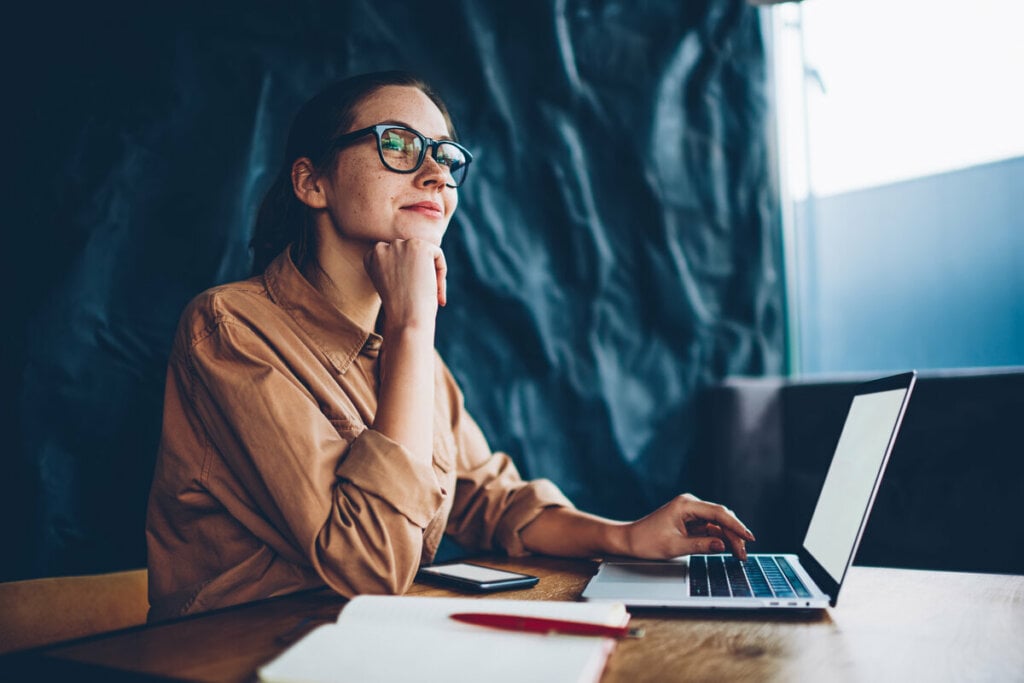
683	526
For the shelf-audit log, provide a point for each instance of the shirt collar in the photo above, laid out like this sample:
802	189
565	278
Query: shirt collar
334	333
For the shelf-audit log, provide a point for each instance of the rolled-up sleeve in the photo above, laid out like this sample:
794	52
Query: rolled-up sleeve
379	466
493	504
321	490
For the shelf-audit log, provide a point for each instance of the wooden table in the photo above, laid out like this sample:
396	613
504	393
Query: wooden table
890	625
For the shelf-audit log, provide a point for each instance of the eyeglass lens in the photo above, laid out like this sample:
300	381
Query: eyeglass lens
402	150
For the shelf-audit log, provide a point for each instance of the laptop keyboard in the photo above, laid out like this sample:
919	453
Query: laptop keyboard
761	576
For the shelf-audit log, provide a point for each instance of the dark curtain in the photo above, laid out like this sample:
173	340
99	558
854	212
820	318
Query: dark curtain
615	249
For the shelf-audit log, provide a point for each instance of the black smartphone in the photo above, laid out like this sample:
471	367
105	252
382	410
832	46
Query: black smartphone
473	577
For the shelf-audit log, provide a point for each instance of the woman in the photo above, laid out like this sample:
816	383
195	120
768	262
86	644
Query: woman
311	433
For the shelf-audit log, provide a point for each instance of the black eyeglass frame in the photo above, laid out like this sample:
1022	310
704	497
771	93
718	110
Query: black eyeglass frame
428	143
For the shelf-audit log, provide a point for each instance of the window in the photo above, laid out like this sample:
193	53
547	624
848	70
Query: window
902	155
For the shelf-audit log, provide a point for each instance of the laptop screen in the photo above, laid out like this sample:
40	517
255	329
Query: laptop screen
850	483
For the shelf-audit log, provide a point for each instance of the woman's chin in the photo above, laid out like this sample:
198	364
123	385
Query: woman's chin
432	232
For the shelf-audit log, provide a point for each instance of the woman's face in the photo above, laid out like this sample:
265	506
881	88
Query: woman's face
369	203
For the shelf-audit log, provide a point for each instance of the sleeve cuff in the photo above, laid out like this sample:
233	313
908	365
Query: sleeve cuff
529	501
384	468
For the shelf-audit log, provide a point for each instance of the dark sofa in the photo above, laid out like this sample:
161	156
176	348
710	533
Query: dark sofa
953	493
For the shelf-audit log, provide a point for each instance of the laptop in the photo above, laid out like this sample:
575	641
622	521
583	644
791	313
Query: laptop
806	580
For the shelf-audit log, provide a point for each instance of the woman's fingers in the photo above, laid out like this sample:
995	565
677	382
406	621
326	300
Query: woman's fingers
713	531
441	268
716	521
702	528
410	276
686	525
708	544
697	509
739	546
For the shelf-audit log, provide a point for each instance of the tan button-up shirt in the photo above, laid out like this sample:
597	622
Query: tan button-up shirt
270	477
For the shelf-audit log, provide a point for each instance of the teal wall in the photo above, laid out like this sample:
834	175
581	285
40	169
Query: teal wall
926	273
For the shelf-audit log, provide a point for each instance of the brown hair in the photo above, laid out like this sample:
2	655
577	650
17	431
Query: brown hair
283	219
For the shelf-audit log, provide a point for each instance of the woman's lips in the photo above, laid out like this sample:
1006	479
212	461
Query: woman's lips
431	209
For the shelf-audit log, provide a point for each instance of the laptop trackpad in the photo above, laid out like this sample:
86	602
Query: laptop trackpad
646	572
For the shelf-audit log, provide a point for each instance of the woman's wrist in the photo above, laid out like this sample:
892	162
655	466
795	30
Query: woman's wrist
617	538
415	330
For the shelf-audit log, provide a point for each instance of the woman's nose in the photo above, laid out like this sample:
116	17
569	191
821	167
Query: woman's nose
432	173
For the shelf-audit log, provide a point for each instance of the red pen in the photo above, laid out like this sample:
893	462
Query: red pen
511	622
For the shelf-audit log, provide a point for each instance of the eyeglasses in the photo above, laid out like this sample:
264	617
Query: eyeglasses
403	150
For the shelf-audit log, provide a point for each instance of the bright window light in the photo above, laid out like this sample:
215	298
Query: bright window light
897	90
901	151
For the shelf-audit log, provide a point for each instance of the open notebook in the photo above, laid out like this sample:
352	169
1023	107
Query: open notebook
397	638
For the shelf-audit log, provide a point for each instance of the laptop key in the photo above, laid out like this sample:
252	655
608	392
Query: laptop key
758	583
776	579
737	578
794	580
699	577
717	580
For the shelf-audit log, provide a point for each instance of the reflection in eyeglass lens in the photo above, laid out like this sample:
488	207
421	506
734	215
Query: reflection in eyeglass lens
450	156
401	148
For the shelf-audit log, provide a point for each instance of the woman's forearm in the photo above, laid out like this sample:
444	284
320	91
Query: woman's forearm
405	410
571	533
684	525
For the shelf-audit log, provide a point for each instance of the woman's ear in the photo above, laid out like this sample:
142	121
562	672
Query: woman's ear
306	184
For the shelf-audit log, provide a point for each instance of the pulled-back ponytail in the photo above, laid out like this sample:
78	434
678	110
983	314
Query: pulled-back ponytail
283	219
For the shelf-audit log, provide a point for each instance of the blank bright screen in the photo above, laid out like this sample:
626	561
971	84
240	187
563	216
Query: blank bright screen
851	479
